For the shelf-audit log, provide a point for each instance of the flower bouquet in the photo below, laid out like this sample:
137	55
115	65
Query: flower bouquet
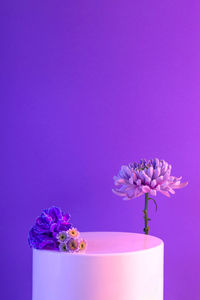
52	231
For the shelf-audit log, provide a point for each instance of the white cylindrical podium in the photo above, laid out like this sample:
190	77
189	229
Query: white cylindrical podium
115	266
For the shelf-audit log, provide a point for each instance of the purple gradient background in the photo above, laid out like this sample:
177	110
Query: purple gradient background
85	87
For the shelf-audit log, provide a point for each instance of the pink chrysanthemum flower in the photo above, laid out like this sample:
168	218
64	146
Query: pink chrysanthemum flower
144	177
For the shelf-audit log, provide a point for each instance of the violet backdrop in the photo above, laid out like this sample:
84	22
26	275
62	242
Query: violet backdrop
87	86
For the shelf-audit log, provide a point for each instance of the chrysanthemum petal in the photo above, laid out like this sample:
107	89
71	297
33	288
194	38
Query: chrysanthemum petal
181	185
171	190
145	189
153	183
153	192
118	193
125	172
120	181
150	172
147	179
165	193
159	180
156	172
126	198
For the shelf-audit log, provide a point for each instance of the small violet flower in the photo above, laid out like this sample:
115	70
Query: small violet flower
62	236
82	245
73	233
63	247
72	245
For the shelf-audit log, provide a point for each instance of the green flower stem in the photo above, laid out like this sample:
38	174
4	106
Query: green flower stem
146	219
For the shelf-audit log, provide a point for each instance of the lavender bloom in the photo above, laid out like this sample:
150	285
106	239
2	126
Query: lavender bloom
82	245
72	245
63	247
144	177
62	236
73	233
43	234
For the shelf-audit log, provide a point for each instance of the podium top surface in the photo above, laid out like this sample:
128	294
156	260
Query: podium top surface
111	243
118	242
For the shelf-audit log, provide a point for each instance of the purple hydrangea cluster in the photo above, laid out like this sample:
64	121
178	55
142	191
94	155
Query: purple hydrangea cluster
144	177
43	235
